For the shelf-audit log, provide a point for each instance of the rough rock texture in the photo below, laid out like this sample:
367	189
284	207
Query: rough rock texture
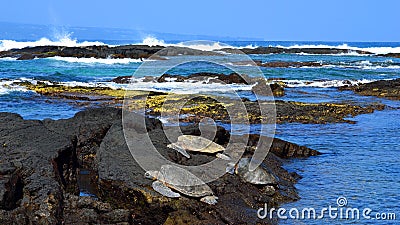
285	111
101	51
383	88
40	161
144	51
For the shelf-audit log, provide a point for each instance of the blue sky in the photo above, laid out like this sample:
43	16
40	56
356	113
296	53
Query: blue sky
324	20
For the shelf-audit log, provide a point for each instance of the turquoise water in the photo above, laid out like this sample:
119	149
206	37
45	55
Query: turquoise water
360	161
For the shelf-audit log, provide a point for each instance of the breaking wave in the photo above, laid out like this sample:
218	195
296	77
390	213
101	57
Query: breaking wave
322	83
61	40
374	50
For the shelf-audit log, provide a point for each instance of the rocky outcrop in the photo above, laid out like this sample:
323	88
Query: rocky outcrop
41	160
102	51
127	51
383	88
144	51
280	50
391	55
285	111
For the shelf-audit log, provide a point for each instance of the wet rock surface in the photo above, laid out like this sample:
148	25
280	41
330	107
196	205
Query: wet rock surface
383	88
277	111
145	51
40	161
102	51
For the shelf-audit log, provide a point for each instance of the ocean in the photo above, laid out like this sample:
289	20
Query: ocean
359	162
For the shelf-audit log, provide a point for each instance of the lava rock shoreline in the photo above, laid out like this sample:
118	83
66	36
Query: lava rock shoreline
40	161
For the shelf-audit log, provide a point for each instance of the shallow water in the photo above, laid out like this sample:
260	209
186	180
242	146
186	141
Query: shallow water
360	162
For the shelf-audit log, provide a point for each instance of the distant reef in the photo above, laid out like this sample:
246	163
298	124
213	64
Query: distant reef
145	51
102	52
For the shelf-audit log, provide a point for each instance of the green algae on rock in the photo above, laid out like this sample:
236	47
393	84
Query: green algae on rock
383	88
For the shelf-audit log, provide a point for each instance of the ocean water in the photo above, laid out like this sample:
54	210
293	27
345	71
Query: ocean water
360	161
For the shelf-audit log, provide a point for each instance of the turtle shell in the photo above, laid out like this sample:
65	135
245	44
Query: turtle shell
183	181
257	176
198	144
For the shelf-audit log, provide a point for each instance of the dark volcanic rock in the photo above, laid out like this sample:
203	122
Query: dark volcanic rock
174	51
26	57
127	51
102	51
391	55
383	88
40	161
279	50
122	79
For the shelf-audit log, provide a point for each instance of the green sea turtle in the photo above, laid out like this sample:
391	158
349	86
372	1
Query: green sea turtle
257	176
194	143
171	178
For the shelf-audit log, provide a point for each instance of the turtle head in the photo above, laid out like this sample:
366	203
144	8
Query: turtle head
151	174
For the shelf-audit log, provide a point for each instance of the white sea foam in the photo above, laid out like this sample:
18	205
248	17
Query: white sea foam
7	86
374	50
108	61
3	90
152	41
187	87
8	59
323	84
65	39
199	45
61	40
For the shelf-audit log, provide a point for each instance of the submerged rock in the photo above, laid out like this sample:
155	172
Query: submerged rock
40	161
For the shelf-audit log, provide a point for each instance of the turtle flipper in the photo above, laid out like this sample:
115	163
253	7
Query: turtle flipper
179	149
231	168
223	156
164	190
212	200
